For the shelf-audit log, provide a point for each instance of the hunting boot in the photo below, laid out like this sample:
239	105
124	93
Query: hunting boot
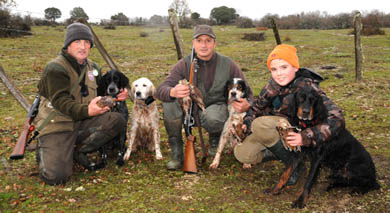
213	141
92	143
268	155
286	156
175	141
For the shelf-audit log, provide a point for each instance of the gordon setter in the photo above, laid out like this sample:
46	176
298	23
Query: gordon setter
110	85
350	163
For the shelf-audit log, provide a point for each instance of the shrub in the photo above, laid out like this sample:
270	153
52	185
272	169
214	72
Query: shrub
254	36
261	28
13	26
143	34
109	26
367	31
244	22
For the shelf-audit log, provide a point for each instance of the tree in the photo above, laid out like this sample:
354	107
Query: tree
181	8
158	20
6	3
77	13
52	14
120	19
195	16
223	15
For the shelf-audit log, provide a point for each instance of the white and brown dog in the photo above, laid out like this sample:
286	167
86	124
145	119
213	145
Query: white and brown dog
235	90
145	118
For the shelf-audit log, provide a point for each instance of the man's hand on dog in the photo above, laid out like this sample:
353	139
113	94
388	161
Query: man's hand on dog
241	106
294	139
180	91
123	95
94	109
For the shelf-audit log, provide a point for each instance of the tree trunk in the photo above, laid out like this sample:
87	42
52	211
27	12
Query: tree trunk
176	35
358	46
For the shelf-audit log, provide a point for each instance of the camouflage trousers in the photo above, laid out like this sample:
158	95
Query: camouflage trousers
55	151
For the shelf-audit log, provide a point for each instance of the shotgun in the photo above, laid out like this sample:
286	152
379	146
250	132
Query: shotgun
189	155
24	140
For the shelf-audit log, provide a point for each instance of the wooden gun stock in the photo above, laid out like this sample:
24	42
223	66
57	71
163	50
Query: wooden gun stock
189	156
20	146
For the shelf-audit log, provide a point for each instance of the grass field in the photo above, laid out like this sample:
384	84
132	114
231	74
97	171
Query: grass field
143	184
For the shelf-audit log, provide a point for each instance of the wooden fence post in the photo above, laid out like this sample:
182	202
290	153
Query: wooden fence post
357	22
276	31
100	47
176	35
15	92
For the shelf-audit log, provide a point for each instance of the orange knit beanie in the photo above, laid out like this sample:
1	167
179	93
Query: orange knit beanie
285	52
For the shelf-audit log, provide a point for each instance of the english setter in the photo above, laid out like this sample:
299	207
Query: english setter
145	118
235	89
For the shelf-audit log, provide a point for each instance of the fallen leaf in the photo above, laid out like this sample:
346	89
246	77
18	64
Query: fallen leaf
80	188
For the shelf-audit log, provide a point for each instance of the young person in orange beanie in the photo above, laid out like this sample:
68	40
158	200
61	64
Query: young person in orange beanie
263	142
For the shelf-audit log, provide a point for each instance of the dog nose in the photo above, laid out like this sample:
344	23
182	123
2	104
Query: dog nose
233	94
306	111
138	93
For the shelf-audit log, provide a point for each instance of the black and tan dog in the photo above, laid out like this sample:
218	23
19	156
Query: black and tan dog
111	84
350	163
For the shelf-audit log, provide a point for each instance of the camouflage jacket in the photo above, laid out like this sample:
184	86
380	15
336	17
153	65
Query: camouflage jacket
275	99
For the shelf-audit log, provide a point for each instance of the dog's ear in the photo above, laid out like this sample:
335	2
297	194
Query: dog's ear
131	93
102	86
124	81
244	89
153	91
293	104
320	111
226	89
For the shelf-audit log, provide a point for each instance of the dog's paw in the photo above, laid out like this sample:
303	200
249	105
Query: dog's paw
159	157
267	191
120	162
127	155
246	166
299	203
272	191
214	165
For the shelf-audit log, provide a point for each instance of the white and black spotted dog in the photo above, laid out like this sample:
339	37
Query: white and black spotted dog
144	130
235	90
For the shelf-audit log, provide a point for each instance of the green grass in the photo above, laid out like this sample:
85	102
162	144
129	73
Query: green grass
143	184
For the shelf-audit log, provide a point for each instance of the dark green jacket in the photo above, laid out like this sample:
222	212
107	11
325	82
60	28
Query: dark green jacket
59	78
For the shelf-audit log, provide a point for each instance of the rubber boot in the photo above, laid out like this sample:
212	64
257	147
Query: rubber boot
268	155
175	141
286	157
213	141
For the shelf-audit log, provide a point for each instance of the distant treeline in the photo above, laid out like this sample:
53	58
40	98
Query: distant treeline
14	25
318	20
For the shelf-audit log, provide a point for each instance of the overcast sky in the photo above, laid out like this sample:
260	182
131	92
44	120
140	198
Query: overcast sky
255	9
